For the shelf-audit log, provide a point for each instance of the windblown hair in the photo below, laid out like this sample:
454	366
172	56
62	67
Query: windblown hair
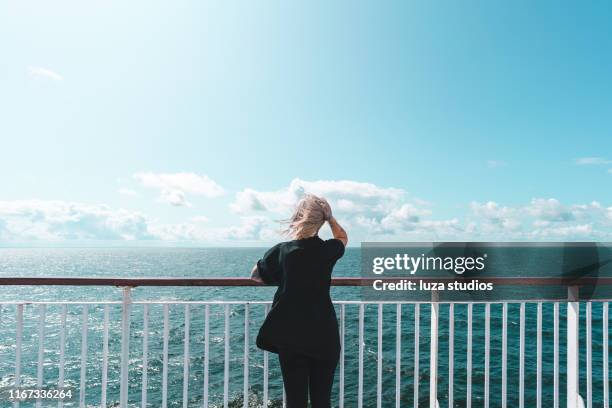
309	216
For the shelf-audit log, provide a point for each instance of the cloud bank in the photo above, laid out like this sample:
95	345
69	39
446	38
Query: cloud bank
541	219
36	220
368	211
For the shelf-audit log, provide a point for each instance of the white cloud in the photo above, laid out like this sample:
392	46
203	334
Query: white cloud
174	197
250	229
587	161
251	200
26	220
406	217
173	187
549	210
200	218
44	73
127	192
495	217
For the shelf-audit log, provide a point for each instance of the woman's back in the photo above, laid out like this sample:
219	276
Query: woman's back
307	264
302	315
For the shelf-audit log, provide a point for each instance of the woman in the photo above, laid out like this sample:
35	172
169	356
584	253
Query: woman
302	326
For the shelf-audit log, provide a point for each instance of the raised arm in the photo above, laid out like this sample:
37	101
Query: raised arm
338	232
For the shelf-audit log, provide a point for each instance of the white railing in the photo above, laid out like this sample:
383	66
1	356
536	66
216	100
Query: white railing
139	394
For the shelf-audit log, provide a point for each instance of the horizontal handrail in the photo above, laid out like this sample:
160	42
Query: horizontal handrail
340	281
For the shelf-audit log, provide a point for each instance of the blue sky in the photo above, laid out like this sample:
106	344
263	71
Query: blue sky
190	122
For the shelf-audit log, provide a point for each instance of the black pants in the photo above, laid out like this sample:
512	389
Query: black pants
302	374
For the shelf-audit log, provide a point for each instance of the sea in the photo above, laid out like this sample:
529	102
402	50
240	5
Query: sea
237	262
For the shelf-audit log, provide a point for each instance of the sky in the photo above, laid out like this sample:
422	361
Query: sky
201	123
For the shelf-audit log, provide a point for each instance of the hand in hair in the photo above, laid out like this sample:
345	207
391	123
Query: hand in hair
326	209
338	232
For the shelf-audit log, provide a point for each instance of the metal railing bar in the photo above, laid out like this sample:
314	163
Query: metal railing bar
398	354
487	353
504	369
469	357
166	335
361	348
379	357
245	391
62	351
245	281
18	338
606	384
57	303
186	358
341	381
206	352
556	355
589	354
539	356
522	356
125	347
433	355
265	366
573	324
105	357
451	354
417	319
145	356
82	387
41	350
226	355
264	302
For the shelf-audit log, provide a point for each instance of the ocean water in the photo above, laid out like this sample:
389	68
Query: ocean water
231	262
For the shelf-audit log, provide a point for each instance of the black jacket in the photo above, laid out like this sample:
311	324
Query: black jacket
302	318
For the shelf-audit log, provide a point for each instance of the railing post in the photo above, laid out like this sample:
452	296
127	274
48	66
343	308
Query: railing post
245	390
572	347
265	366
226	355
433	352
606	385
417	354
62	351
360	361
19	336
379	357
41	350
125	346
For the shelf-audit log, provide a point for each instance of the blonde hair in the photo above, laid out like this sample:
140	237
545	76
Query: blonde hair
309	215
